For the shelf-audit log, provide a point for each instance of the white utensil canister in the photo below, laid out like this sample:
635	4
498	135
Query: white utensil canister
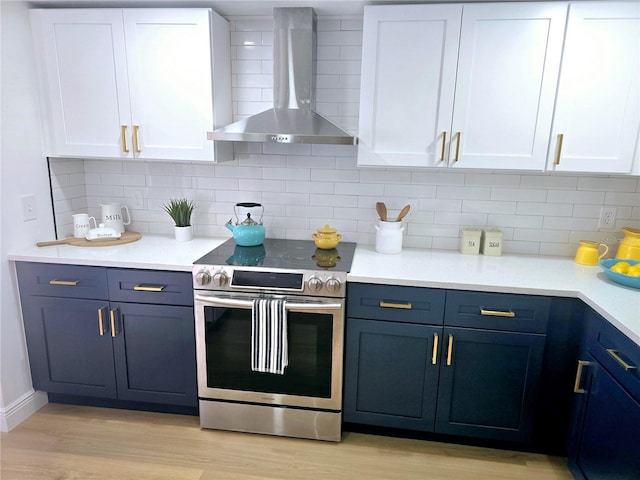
389	237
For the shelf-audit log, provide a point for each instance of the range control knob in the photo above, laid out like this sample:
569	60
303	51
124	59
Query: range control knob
314	284
220	278
203	277
333	285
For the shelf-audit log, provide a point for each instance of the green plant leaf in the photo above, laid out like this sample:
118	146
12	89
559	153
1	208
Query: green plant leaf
180	210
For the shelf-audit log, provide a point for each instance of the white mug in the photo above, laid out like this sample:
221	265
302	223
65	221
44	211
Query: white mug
112	216
82	224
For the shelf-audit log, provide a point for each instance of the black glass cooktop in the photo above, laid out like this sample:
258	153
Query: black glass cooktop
280	253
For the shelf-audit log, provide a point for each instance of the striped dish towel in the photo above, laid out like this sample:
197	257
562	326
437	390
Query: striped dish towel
269	347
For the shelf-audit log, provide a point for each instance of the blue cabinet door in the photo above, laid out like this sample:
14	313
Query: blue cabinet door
69	353
489	383
155	356
608	448
391	374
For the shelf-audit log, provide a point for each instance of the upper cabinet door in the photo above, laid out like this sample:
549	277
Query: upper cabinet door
133	83
408	78
86	93
505	90
169	61
597	116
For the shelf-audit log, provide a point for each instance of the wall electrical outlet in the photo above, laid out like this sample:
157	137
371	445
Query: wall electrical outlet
607	218
28	203
138	200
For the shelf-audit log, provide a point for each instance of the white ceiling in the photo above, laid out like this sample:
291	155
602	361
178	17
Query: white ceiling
229	8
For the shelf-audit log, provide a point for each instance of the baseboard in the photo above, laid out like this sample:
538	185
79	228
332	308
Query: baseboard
16	413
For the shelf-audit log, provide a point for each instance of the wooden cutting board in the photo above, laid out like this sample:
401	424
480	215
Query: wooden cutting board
125	237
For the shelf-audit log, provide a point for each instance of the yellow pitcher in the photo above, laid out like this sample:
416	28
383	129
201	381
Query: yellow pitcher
630	245
588	252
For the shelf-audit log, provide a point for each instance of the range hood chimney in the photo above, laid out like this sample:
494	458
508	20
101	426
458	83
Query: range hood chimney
292	118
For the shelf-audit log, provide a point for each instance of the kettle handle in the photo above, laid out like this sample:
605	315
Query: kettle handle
248	205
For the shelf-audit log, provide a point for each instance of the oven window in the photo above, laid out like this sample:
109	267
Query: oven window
228	344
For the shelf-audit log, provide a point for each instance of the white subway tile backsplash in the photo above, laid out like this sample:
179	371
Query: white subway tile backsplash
303	187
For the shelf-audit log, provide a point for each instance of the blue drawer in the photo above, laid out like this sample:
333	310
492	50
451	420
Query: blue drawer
57	280
395	303
150	286
497	311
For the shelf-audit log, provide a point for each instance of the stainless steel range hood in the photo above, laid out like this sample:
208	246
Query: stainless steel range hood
292	119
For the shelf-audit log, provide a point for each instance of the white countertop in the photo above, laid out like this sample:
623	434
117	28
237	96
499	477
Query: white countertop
535	275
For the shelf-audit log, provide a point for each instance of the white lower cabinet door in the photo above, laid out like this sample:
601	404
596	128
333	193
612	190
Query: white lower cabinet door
597	117
506	82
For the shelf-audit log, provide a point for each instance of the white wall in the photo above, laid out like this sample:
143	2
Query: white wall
23	171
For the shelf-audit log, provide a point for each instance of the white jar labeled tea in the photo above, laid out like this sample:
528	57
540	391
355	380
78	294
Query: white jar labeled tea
470	241
491	242
389	237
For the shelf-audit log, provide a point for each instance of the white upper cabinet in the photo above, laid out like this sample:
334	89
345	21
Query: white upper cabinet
133	83
408	78
597	117
501	61
506	83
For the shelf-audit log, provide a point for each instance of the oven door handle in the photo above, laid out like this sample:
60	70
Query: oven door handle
237	303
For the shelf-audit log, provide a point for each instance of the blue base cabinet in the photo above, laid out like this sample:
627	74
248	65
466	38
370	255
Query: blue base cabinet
606	423
456	363
108	333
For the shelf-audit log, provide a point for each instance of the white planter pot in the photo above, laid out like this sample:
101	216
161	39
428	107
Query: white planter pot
184	234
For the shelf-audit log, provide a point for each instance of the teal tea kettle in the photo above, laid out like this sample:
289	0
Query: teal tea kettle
247	233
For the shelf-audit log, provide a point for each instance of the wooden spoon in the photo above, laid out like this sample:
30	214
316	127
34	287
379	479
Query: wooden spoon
403	212
381	208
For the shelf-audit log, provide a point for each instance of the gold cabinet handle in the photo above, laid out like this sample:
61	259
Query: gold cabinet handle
444	141
457	147
449	350
123	138
406	306
559	148
136	146
621	362
576	385
112	317
434	354
149	288
101	322
68	283
497	313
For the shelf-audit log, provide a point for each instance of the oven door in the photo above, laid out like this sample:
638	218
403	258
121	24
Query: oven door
313	377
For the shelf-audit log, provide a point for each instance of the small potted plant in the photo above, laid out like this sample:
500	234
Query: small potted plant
180	210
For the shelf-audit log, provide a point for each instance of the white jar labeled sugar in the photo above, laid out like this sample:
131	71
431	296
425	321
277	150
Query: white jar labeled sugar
470	241
491	242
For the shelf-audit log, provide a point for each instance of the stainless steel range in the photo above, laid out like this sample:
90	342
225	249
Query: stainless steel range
306	399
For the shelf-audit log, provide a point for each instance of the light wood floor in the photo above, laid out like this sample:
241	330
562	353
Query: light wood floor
65	442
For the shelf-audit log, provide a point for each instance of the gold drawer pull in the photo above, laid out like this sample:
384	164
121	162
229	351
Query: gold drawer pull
434	355
112	317
457	147
149	288
101	322
444	141
68	283
497	313
406	306
576	385
623	364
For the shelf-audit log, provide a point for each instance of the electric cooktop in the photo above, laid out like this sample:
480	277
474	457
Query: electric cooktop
282	254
